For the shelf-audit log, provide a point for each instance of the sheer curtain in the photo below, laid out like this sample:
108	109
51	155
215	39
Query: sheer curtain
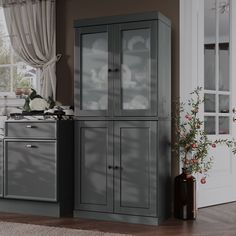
31	26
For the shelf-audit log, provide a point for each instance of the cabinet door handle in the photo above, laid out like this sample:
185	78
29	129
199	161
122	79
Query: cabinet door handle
30	126
110	167
114	70
29	146
117	167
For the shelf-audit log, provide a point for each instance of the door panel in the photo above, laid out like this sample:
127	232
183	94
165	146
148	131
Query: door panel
219	84
93	61
94	155
135	167
30	170
135	63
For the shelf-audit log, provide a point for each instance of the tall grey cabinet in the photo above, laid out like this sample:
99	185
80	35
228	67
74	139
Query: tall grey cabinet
122	108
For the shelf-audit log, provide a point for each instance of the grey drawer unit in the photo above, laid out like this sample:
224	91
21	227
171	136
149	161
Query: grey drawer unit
36	171
31	129
30	170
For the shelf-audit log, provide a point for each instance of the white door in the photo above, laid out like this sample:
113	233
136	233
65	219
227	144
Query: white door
219	83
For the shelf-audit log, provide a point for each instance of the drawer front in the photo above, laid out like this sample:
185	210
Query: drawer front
40	130
30	170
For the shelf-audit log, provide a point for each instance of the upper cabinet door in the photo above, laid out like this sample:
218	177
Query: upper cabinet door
135	64
92	63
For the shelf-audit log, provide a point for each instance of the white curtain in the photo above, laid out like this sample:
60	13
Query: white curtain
31	26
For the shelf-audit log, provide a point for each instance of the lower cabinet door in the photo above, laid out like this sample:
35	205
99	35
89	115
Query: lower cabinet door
135	144
30	170
94	166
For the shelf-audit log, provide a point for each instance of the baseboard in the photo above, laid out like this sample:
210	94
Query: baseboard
116	217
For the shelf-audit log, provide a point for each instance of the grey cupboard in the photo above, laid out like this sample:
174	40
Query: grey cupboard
122	99
37	167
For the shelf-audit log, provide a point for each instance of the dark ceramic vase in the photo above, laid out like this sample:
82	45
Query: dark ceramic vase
185	196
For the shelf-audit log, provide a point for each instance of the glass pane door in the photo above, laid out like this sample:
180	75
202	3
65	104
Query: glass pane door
135	82
217	89
135	69
92	71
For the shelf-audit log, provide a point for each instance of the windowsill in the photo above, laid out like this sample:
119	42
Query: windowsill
11	104
11	101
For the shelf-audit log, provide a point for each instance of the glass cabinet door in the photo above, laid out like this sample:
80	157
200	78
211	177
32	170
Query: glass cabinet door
135	80
91	71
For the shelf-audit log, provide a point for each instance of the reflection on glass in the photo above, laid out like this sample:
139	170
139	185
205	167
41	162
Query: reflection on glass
94	71
209	102
210	124
209	21
224	103
223	125
224	21
5	80
135	70
209	67
224	67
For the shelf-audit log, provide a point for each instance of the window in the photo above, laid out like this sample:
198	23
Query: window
217	89
15	75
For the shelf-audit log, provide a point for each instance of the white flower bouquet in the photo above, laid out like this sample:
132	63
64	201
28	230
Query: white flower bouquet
35	102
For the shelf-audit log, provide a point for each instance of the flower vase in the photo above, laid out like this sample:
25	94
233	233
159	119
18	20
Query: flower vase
185	196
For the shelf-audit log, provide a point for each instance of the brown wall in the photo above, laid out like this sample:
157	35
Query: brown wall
70	10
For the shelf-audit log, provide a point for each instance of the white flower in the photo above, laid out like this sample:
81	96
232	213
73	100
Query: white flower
38	104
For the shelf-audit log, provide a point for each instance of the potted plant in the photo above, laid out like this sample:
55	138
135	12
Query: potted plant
191	147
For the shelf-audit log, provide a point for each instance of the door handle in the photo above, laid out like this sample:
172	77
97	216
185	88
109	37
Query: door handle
30	146
30	126
114	167
234	119
234	110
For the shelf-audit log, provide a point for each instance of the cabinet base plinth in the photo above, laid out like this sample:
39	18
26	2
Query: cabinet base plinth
30	207
117	217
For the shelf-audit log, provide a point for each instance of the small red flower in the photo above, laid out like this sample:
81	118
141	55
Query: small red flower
188	117
194	145
213	145
203	180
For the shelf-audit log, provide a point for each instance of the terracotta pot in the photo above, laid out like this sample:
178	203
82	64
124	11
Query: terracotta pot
26	91
18	91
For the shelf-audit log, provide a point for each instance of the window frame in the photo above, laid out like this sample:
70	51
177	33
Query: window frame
14	65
